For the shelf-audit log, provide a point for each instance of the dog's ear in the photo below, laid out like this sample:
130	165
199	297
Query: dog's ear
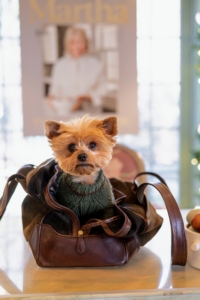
110	125
51	129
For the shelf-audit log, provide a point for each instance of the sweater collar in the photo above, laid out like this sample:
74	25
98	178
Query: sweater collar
85	189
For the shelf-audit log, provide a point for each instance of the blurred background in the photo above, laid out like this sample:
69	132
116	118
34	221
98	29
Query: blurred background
168	43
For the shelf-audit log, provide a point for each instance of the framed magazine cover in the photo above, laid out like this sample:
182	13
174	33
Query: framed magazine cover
78	57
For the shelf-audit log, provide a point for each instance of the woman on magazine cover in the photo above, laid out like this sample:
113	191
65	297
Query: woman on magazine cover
77	77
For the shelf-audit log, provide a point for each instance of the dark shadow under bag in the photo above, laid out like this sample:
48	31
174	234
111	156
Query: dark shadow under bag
58	239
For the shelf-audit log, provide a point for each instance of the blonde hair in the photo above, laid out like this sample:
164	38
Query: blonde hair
70	33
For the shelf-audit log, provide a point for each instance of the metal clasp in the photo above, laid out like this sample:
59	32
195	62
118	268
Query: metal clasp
80	233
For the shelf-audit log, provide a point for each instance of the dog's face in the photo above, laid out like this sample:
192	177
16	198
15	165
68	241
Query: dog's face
82	146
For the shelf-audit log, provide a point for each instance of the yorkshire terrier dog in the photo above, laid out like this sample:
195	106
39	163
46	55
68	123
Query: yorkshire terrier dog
82	148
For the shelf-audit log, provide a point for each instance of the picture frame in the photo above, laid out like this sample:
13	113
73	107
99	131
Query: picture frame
101	82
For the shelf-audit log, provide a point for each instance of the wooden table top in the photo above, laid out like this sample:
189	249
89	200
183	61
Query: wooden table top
148	274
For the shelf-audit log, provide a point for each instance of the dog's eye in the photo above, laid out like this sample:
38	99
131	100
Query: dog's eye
71	147
92	145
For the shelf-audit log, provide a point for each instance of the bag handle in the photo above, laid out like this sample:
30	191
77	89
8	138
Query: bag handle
92	223
60	208
152	174
9	189
126	226
179	243
11	185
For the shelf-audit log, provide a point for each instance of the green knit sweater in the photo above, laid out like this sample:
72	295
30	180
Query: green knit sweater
87	201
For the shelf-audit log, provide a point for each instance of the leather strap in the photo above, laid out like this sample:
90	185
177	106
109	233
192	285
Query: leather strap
152	174
126	226
179	243
57	207
11	185
9	189
97	222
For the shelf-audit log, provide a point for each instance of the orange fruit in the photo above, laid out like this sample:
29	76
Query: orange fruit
196	222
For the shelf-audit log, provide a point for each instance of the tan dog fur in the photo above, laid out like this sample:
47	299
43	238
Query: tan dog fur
82	146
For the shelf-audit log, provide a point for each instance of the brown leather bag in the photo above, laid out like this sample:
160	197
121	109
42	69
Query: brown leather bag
57	239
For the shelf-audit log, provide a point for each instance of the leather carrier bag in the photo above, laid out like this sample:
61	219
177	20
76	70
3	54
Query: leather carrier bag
57	239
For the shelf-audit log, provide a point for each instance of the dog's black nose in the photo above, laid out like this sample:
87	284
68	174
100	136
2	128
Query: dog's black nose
82	157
